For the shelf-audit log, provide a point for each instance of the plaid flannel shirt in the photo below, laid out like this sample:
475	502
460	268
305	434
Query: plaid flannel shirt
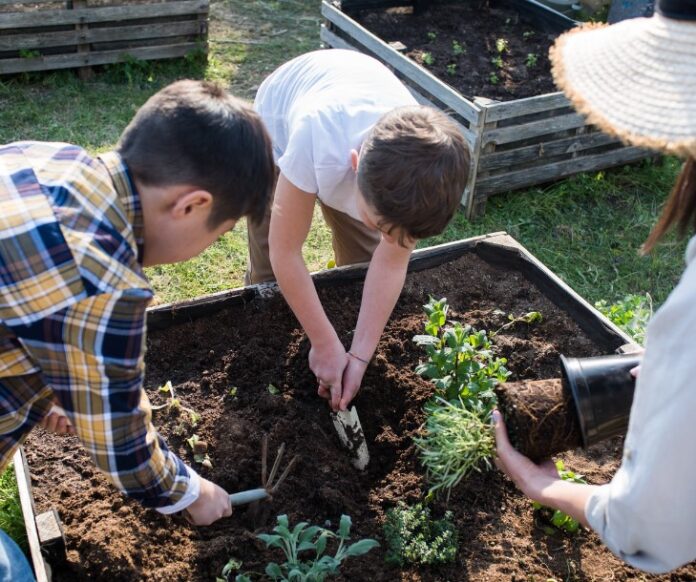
72	315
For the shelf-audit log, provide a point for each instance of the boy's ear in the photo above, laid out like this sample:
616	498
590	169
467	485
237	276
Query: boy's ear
354	159
192	200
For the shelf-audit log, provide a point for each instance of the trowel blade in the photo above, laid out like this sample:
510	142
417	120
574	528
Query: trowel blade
350	432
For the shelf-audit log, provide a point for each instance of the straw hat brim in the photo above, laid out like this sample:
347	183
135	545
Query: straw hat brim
635	79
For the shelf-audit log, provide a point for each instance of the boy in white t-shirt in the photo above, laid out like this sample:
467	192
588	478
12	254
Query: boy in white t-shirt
386	172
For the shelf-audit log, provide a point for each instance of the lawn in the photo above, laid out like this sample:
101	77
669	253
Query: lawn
587	228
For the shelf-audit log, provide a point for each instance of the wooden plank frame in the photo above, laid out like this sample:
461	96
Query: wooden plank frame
75	34
498	249
515	144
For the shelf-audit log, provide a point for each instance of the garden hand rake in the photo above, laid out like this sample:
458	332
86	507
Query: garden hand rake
269	484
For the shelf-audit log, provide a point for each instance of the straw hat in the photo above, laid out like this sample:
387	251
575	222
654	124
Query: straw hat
635	79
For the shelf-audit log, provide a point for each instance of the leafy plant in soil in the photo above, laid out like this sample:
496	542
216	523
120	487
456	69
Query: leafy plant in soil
554	517
174	405
312	539
631	314
414	537
460	360
457	441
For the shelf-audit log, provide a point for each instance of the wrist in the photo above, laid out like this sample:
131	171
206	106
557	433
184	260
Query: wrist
358	358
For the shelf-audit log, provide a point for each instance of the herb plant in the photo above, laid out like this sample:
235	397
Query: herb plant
457	442
458	48
497	61
428	58
460	360
532	59
494	79
432	35
175	405
414	537
452	69
558	519
502	46
313	540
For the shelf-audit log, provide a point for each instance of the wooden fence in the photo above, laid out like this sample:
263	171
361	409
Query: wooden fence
44	35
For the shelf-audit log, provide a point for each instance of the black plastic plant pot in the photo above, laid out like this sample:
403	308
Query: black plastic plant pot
602	389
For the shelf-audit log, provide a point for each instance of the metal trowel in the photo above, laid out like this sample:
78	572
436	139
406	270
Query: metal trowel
350	432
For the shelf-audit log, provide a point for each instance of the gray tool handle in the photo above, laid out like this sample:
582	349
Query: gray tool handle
244	497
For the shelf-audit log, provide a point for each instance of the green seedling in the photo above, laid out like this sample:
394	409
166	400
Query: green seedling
452	69
529	318
457	48
494	79
29	54
175	405
527	34
233	565
559	520
497	61
312	542
456	442
432	35
532	59
200	451
232	392
272	390
502	46
414	537
428	59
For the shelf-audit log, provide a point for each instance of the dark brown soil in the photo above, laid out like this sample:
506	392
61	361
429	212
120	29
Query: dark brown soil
540	417
112	538
478	28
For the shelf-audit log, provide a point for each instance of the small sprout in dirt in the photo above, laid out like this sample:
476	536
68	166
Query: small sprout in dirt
305	538
452	69
199	449
167	388
532	59
432	35
502	46
428	59
174	404
529	318
193	441
458	49
233	565
204	460
558	519
457	441
527	34
232	392
497	61
414	537
494	79
272	390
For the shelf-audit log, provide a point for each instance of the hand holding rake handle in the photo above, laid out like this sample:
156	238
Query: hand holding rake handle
269	487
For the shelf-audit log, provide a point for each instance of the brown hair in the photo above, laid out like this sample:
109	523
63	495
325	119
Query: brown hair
196	133
680	209
414	166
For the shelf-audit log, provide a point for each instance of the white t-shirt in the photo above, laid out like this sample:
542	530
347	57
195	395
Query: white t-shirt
647	514
317	108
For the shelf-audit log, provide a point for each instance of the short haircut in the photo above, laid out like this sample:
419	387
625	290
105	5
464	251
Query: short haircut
198	134
413	168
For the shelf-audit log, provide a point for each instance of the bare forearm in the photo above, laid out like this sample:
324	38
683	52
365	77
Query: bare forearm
570	498
385	279
301	295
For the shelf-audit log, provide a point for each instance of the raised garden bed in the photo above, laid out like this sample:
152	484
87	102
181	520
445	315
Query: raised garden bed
521	131
222	354
46	34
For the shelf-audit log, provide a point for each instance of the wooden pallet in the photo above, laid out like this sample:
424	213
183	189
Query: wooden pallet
45	35
514	144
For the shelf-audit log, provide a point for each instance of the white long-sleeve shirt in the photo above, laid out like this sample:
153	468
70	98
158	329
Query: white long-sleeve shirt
647	514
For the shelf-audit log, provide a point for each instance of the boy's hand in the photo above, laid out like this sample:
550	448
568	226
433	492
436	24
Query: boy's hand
328	362
212	504
56	421
352	379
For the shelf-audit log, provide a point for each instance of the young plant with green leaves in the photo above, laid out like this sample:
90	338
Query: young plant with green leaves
555	517
458	48
460	361
529	318
494	79
414	537
452	69
532	60
174	404
631	314
311	541
457	441
427	58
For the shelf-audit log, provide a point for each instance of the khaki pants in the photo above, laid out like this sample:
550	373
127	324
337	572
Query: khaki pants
351	240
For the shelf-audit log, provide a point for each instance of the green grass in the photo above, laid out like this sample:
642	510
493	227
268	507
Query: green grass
11	518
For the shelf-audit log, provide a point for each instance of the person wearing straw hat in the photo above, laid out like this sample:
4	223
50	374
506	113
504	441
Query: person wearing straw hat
637	80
